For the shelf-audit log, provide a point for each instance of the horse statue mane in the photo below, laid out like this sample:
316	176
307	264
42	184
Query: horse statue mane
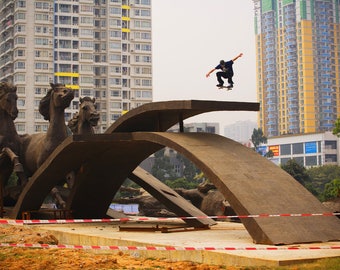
37	147
6	87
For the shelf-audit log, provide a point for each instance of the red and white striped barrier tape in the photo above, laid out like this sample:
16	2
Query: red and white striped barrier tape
106	220
167	248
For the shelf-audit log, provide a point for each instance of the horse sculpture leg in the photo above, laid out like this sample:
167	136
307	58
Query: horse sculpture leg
56	195
17	166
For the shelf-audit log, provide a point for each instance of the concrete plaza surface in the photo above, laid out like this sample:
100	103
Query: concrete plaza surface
224	234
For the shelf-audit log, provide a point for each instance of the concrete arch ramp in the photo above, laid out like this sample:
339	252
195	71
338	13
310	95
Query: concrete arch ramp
160	116
254	185
251	183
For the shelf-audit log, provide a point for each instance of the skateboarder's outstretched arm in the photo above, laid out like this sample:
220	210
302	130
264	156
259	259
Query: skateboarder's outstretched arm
237	57
211	71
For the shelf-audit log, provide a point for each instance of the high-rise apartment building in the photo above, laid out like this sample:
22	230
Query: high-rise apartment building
100	48
298	65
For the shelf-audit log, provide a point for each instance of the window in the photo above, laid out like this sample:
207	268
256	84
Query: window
311	161
115	34
41	17
21	4
330	144
37	115
115	57
115	116
21	90
115	81
86	56
86	33
86	44
86	8
19	40
146	94
20	28
21	102
115	22
41	5
146	83
331	158
21	114
41	41
86	92
40	91
20	16
39	53
115	45
86	20
145	13
115	105
19	65
20	128
297	148
115	11
88	80
115	69
41	78
115	93
146	2
285	149
41	128
19	78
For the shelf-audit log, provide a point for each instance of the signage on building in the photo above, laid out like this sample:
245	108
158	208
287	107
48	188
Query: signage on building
262	150
310	147
275	149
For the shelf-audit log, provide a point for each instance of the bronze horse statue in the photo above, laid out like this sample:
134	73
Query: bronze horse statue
37	147
87	117
83	122
10	141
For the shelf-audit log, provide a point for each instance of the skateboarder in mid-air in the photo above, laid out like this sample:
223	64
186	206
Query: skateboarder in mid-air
227	72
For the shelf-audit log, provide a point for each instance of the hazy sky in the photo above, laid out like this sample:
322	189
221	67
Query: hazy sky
190	37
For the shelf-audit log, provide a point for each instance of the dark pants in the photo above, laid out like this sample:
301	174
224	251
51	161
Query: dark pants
225	75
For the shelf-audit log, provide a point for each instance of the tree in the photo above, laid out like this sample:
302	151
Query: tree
257	138
297	171
332	190
322	175
181	183
162	168
336	129
189	168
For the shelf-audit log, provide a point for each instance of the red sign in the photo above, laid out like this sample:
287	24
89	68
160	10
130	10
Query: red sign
275	149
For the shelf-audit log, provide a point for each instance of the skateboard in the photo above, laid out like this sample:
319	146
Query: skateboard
225	87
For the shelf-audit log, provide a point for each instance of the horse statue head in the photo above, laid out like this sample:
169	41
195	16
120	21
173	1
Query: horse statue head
87	117
8	99
59	96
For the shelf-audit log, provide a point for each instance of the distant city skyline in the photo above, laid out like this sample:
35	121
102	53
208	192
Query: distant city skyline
240	131
298	65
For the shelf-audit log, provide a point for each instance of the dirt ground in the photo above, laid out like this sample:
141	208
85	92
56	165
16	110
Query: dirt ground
15	258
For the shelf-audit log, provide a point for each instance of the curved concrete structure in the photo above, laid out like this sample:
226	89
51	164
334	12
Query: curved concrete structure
251	183
160	116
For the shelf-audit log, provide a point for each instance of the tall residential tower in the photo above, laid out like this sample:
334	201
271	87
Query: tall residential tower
100	48
298	65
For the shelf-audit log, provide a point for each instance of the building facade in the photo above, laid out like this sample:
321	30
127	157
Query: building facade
298	65
240	131
99	48
309	150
